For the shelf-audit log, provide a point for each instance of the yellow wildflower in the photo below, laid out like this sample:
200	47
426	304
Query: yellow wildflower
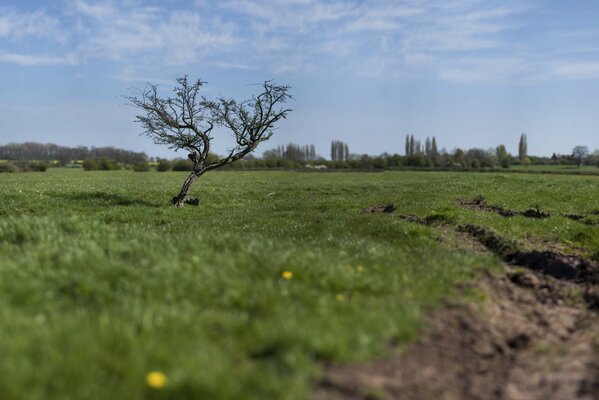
340	297
287	275
360	268
156	379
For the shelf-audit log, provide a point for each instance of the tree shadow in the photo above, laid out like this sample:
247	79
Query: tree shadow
108	199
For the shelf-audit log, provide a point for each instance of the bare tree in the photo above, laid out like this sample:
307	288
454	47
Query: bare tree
187	120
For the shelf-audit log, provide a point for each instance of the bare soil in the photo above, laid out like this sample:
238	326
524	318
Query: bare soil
535	335
479	203
380	208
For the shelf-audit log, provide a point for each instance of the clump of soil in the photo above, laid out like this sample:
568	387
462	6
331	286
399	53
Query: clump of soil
381	208
574	217
583	218
479	203
535	212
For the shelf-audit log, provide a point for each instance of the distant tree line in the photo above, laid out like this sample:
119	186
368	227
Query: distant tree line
418	154
65	155
292	152
339	151
421	154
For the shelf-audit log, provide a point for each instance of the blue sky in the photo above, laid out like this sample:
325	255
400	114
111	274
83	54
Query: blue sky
473	73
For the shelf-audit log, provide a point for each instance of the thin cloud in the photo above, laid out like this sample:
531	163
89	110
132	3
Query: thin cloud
18	26
37	60
175	37
379	34
490	70
577	70
96	10
459	41
228	65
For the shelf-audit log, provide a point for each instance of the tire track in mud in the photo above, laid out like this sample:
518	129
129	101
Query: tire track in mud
570	267
535	335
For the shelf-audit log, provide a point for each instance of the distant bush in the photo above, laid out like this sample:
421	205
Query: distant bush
102	164
107	164
23	166
141	166
38	166
183	165
90	164
8	167
163	165
381	163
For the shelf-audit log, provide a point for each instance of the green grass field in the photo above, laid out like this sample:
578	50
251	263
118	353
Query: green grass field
102	281
572	169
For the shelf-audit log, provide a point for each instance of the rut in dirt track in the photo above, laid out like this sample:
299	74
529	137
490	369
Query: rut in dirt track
536	336
479	203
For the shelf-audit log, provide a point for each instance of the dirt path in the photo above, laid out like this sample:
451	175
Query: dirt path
534	336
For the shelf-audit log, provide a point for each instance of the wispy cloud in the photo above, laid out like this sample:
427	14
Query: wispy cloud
387	17
227	65
493	70
168	37
37	60
379	36
16	26
577	70
97	10
460	40
297	16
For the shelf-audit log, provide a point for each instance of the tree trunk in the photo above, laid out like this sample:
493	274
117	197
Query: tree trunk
183	196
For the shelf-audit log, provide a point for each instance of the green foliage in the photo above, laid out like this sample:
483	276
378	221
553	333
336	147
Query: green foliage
182	165
38	166
163	165
107	164
90	164
23	166
101	281
8	167
141	166
102	164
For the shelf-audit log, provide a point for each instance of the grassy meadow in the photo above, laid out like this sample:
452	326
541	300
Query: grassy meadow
245	296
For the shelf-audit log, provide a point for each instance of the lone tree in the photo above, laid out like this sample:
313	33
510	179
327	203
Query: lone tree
187	119
580	153
523	147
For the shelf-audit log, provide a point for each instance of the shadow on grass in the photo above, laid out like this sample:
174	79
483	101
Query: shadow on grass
108	199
